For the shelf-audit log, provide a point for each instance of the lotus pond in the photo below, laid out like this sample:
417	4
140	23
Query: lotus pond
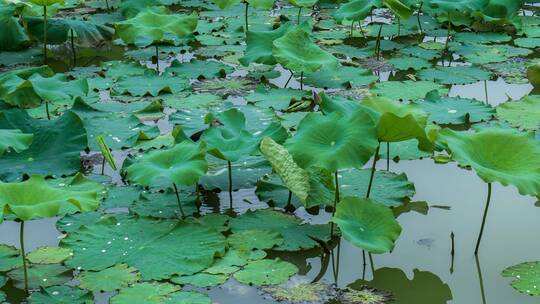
261	151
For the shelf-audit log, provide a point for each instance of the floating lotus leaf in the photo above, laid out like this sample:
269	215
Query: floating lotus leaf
231	141
405	290
526	277
276	98
61	295
164	205
296	236
183	164
246	172
149	246
405	63
145	293
482	54
266	272
85	33
294	177
117	277
255	239
523	114
509	166
454	75
196	69
201	280
355	10
14	139
297	52
41	276
345	77
388	188
454	110
407	90
348	141
49	255
35	198
152	27
403	150
260	44
233	260
189	297
9	258
150	84
367	224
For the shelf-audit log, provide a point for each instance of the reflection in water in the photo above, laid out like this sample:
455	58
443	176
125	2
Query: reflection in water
424	288
480	279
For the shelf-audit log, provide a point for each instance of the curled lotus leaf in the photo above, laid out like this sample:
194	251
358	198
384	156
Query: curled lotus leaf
509	166
355	10
367	224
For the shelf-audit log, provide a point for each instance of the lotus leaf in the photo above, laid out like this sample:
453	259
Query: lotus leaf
526	277
61	295
149	246
523	114
14	139
255	239
150	84
164	205
246	172
49	255
344	77
405	63
233	260
355	10
189	297
407	90
454	75
183	164
145	293
106	152
196	69
453	110
41	276
349	141
275	98
367	224
266	272
398	8
297	52
9	258
260	44
85	33
12	36
35	198
117	277
231	141
150	27
296	236
509	166
403	150
201	279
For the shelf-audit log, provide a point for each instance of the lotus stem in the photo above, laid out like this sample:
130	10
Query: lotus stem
299	12
418	18
378	43
287	83
47	110
373	170
398	26
364	264
361	29
73	47
336	272
178	201
45	34
371	14
246	15
447	36
157	58
23	256
486	91
452	253
336	200
197	199
480	279
371	263
483	220
387	156
230	185
107	4
301	80
289	199
352	28
103	166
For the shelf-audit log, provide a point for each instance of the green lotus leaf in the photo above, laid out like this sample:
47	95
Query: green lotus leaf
150	27
509	166
47	2
41	276
367	224
262	4
530	43
15	140
106	151
303	3
407	90
388	188
419	52
232	141
164	205
183	164
400	122
189	297
35	198
294	177
117	277
148	245
454	75
85	33
355	10
399	8
482	54
266	272
260	44
233	260
297	52
226	4
12	37
454	110
146	293
246	172
276	98
61	295
345	77
201	280
349	141
196	69
255	239
49	255
405	63
119	130
526	277
150	84
296	236
403	150
523	114
195	101
9	258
